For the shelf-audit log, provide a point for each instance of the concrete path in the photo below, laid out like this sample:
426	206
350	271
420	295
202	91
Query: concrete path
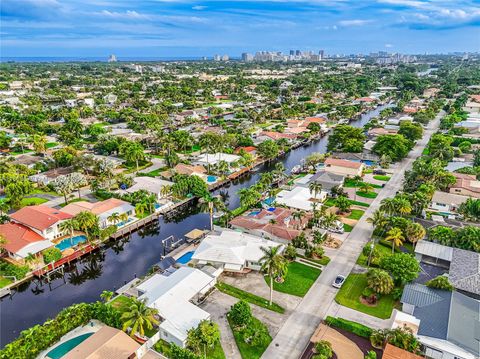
294	336
337	310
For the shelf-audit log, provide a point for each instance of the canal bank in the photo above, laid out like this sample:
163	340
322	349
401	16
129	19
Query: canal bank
119	262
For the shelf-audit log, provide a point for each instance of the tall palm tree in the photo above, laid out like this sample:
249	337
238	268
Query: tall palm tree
402	206
377	219
415	232
395	236
68	226
387	205
87	222
273	265
114	218
315	188
365	187
210	204
139	317
298	215
141	208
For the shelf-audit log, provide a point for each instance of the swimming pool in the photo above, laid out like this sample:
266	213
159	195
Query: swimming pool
70	242
269	201
253	213
122	223
64	348
185	258
211	179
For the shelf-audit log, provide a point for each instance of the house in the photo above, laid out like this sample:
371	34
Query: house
44	178
344	167
300	198
466	185
277	224
26	160
107	342
231	250
472	125
173	297
42	220
188	170
103	209
149	184
328	180
447	202
463	266
21	241
473	105
449	321
211	159
270	135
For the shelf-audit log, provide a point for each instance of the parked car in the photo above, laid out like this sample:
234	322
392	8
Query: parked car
379	172
338	282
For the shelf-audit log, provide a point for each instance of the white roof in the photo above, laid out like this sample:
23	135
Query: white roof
232	247
217	157
434	250
448	198
33	248
170	295
298	197
149	184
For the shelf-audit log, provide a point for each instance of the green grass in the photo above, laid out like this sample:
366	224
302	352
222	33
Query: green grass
323	261
4	281
347	228
366	195
350	183
330	202
212	353
425	151
249	297
155	173
356	214
382	250
51	145
358	203
381	178
72	201
32	201
42	191
121	302
349	296
248	351
367	171
15	153
298	280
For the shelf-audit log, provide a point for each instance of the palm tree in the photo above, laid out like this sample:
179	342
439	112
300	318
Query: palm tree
343	204
106	295
39	144
365	187
273	265
87	222
139	317
388	206
124	217
166	191
402	206
298	215
209	204
248	197
114	218
379	281
315	188
141	208
415	232
377	219
68	226
395	236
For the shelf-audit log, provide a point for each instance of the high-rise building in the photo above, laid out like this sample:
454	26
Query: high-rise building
225	57
112	58
217	57
298	52
321	53
292	52
246	57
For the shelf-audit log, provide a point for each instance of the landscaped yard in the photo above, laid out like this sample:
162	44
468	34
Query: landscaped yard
382	250
366	194
350	183
298	280
381	178
351	291
249	297
122	303
212	353
356	214
4	282
322	261
42	191
32	201
249	351
347	227
331	202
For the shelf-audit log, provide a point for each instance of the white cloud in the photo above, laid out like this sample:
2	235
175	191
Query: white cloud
388	46
355	22
129	14
199	7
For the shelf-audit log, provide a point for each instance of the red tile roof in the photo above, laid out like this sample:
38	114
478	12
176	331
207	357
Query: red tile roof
246	149
342	163
278	135
18	236
39	217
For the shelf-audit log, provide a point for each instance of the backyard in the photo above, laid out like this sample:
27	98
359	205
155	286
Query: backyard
298	280
351	291
248	351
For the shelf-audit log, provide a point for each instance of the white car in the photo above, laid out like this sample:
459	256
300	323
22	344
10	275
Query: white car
338	282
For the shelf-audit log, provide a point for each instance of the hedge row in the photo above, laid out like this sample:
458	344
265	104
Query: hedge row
349	326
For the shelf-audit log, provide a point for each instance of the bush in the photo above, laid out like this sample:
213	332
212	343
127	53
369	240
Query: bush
51	255
290	252
8	269
353	327
440	282
323	350
371	355
180	353
397	293
240	314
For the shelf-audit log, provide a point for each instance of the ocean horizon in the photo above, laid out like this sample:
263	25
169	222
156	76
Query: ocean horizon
5	59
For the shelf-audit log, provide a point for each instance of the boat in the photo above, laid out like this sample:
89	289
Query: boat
296	169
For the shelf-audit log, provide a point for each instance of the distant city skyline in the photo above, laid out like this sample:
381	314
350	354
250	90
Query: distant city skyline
169	28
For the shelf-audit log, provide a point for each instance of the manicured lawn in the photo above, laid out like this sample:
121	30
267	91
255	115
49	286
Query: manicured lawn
356	214
349	296
361	204
121	302
381	178
14	153
32	201
323	261
382	250
249	297
298	280
248	351
72	201
331	202
42	191
51	145
154	173
212	353
4	282
347	228
366	195
350	183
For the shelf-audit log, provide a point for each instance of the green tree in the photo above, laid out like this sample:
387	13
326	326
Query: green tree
343	204
379	281
132	152
240	314
138	317
395	235
323	350
394	146
403	267
205	335
268	149
106	295
440	282
346	139
273	265
411	130
210	204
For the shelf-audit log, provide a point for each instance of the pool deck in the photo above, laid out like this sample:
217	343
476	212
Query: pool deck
97	325
182	250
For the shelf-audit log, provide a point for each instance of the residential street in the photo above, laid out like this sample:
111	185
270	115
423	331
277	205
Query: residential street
299	327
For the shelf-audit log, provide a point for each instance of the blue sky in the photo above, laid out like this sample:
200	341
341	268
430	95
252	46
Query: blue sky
165	28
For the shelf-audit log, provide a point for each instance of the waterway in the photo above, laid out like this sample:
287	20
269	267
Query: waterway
119	262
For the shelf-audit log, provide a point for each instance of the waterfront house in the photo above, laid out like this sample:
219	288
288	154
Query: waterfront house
466	185
212	159
154	186
174	296
447	203
103	209
449	321
344	167
300	198
21	241
232	251
328	180
42	220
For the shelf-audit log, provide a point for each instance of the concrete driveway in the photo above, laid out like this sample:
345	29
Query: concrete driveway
294	335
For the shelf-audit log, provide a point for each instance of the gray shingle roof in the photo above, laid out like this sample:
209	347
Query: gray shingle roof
464	271
327	180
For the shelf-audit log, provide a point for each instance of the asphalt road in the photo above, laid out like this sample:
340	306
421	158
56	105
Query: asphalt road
295	334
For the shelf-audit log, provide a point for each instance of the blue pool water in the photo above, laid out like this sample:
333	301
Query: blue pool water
187	257
254	213
64	348
211	178
70	242
122	223
269	200
157	205
271	209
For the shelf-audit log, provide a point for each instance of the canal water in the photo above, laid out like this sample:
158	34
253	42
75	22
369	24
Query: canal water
119	262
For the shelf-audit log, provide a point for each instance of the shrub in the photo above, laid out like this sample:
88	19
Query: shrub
256	335
51	255
323	349
371	355
290	252
349	326
397	293
240	314
180	353
440	282
8	269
